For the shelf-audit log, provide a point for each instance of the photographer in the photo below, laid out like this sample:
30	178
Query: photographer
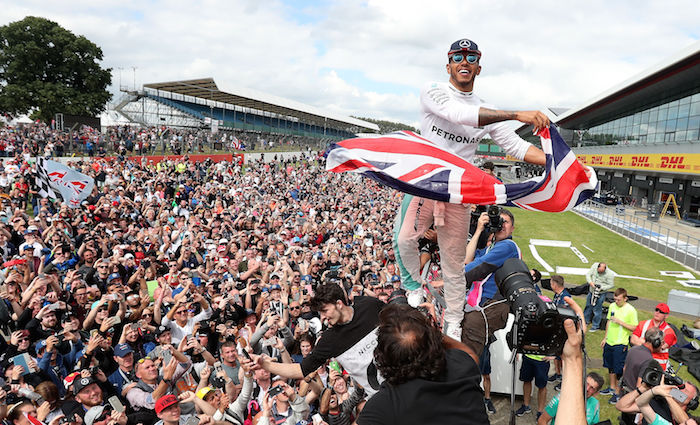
485	314
599	279
659	404
640	367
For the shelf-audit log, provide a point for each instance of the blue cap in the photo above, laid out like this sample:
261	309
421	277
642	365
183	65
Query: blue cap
395	278
464	45
306	278
121	350
40	345
296	239
114	276
275	287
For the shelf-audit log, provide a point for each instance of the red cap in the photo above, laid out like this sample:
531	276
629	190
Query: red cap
68	380
165	402
662	307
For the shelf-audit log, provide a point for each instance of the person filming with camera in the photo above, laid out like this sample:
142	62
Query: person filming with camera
481	263
642	372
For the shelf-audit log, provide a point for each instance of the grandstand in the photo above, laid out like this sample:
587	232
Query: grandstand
642	136
200	103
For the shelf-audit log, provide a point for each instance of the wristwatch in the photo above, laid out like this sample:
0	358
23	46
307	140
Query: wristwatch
167	381
638	391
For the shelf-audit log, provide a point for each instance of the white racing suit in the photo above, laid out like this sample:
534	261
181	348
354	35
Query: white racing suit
450	119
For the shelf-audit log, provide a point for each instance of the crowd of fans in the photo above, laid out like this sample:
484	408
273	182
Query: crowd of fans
168	273
147	303
40	139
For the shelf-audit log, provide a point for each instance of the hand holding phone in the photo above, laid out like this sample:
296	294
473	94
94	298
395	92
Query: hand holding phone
116	404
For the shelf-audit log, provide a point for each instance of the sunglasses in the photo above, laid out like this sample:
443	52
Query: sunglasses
659	311
23	340
470	57
295	308
147	315
181	312
143	359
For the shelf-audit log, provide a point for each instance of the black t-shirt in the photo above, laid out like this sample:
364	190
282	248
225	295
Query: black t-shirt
352	344
457	398
636	361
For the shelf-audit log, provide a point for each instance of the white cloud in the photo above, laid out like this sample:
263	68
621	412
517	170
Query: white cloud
370	57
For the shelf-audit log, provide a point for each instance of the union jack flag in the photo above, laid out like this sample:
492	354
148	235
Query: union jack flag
414	165
235	143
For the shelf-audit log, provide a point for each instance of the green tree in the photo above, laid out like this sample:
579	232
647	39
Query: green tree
47	69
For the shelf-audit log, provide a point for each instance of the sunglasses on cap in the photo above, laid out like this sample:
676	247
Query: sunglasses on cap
470	57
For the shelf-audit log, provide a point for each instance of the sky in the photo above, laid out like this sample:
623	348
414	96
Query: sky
370	58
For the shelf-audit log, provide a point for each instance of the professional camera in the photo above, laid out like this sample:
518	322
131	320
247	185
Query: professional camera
654	374
495	223
539	324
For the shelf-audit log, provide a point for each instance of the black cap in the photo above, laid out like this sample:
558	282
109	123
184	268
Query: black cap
160	330
80	383
464	45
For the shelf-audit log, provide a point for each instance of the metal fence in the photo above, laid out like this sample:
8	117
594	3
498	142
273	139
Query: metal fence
672	243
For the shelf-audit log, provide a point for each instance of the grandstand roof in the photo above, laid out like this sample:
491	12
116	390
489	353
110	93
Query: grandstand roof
206	88
660	83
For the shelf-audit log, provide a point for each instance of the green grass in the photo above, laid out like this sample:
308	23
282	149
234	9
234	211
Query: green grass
624	257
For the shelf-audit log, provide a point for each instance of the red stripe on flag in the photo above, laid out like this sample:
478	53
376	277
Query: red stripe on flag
351	165
566	186
405	147
420	171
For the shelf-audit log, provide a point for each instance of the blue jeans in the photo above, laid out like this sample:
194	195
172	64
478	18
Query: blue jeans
594	311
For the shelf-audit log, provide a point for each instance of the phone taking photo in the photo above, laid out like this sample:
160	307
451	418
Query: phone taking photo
678	395
275	390
116	404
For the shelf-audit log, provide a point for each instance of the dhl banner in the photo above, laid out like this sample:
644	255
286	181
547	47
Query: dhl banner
687	163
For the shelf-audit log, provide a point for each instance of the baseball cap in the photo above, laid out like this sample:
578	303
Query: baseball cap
122	350
68	380
114	276
275	287
80	384
160	330
165	402
464	45
663	307
203	392
40	345
92	414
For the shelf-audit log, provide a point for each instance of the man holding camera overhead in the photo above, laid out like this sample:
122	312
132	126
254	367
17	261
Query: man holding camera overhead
453	117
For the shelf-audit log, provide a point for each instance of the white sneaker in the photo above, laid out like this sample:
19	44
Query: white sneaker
415	297
453	330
